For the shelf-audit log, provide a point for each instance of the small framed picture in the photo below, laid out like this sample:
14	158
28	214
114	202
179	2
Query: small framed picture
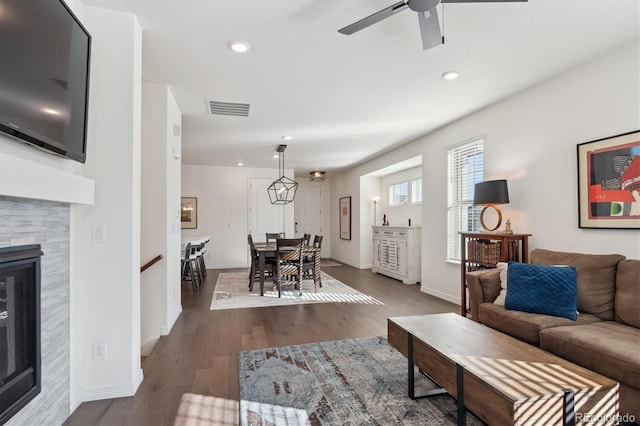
609	182
345	218
189	213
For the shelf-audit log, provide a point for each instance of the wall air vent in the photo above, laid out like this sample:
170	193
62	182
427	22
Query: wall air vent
228	108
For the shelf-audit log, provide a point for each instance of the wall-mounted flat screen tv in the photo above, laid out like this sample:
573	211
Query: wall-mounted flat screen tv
44	76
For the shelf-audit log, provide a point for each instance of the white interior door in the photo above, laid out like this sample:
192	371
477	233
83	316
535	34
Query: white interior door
308	211
263	216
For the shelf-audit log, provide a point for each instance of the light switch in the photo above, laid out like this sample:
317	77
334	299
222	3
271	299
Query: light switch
98	234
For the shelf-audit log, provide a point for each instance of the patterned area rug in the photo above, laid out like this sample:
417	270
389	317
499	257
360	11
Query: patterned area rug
232	292
344	382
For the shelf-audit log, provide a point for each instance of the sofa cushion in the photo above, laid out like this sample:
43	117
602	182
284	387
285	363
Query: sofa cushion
596	278
606	347
523	325
627	303
542	289
503	267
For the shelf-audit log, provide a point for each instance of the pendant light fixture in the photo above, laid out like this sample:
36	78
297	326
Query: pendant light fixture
282	190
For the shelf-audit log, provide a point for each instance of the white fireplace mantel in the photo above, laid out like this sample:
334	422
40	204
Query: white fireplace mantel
27	179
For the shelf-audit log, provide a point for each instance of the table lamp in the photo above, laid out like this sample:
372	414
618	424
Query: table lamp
490	193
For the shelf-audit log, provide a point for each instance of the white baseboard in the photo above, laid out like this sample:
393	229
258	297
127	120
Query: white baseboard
109	392
166	330
147	345
440	295
74	403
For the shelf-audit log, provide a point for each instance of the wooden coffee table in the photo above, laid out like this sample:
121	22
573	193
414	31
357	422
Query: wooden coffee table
500	379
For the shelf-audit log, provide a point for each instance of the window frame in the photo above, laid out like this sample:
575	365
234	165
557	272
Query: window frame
460	209
413	192
407	199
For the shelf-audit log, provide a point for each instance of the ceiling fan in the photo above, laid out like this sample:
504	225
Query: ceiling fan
427	18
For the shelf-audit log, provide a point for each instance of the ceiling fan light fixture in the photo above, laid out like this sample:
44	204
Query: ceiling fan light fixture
239	46
450	75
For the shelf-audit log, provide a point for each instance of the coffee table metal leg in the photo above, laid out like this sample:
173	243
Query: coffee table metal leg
462	411
568	408
411	374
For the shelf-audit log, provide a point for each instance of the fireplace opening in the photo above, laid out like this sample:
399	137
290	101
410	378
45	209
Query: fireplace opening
20	373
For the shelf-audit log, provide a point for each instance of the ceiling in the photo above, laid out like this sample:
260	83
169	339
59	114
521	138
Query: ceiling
346	99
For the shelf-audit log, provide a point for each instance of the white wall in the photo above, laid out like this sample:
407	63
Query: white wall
173	187
530	140
223	210
160	225
106	287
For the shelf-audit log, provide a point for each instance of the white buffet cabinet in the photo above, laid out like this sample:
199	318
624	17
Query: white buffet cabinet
396	252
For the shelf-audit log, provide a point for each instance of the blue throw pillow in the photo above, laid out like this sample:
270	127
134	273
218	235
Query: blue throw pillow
542	289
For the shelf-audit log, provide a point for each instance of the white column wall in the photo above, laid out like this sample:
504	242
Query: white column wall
153	240
530	140
106	294
173	188
160	224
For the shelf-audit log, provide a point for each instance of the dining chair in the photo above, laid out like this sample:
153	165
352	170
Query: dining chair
306	238
190	267
272	236
308	263
289	263
269	263
199	245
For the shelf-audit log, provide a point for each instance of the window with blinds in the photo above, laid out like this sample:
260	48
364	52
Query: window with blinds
465	169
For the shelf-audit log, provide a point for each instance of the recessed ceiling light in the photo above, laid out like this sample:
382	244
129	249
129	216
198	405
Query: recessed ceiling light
239	46
240	164
276	155
287	137
450	75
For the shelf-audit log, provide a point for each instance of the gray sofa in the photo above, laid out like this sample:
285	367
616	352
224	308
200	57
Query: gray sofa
605	338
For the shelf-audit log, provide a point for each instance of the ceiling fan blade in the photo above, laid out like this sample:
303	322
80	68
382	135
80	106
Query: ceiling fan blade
430	29
481	1
372	19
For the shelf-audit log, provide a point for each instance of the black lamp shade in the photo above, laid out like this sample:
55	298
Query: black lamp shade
491	192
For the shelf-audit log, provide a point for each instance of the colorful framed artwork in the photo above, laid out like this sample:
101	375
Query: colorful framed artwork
609	182
189	213
345	218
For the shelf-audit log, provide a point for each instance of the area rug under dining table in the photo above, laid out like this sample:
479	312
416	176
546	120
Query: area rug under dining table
232	292
344	382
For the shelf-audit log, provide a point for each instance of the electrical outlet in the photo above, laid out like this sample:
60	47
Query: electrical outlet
100	350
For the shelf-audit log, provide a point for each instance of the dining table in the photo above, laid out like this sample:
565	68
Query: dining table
269	250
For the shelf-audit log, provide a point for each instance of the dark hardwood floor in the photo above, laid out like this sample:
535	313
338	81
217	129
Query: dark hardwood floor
200	354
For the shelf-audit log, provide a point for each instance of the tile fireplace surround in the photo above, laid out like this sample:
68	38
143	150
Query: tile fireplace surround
25	221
